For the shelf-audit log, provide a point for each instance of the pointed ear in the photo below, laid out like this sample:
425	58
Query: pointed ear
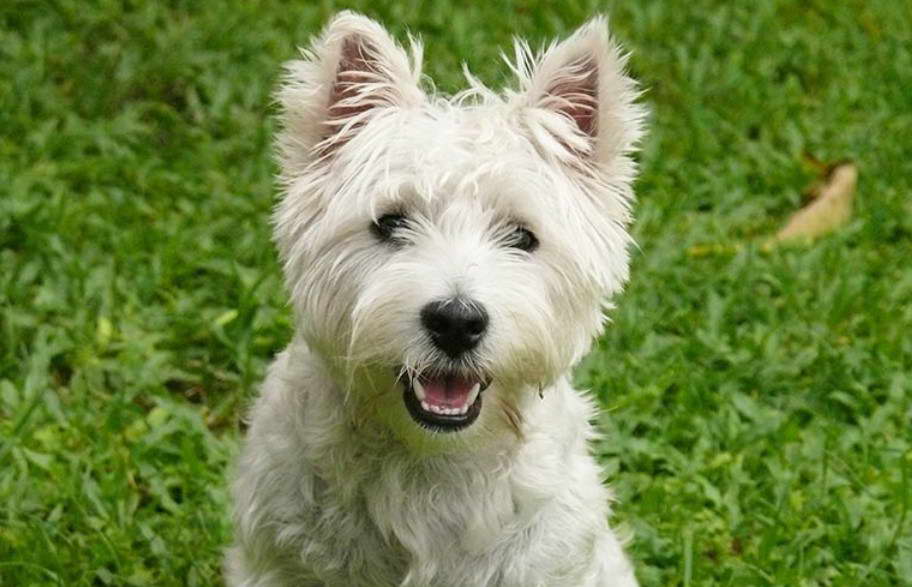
582	81
351	73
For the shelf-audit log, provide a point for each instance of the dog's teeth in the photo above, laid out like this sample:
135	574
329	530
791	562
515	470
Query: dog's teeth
419	389
445	410
473	395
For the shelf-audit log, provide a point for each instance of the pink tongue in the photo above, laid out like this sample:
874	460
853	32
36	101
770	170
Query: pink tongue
451	392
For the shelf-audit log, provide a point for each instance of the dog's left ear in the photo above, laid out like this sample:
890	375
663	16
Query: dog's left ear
582	80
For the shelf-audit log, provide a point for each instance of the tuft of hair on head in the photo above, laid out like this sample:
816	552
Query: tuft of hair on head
351	72
576	99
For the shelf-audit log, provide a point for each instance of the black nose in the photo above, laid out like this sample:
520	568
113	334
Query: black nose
455	325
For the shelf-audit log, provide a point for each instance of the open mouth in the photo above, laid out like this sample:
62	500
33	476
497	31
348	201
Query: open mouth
444	402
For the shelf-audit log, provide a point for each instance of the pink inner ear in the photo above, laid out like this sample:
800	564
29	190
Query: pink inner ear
357	67
577	95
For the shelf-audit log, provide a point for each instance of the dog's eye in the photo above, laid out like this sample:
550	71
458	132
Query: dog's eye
523	239
386	226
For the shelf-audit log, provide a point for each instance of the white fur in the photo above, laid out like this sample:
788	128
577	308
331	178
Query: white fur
337	485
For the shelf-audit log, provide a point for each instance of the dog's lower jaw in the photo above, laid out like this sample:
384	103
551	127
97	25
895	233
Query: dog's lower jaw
316	502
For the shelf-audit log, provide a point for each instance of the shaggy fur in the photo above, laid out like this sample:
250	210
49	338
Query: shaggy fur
338	484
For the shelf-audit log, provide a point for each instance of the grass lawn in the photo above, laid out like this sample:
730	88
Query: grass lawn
757	405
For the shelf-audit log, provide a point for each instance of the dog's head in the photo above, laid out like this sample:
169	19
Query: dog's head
449	257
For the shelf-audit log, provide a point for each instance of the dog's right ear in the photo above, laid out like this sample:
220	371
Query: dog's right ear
352	72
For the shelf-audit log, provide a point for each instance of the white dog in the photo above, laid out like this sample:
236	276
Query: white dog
449	261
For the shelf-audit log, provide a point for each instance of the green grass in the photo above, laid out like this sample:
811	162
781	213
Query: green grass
757	404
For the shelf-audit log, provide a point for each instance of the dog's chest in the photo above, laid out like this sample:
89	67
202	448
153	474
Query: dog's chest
415	529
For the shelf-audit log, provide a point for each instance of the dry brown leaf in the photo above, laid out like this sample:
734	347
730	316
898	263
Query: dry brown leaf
828	211
829	208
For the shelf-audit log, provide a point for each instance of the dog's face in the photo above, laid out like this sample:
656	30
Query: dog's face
448	258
